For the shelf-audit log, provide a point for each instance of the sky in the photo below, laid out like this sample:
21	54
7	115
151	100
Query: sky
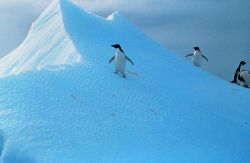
219	27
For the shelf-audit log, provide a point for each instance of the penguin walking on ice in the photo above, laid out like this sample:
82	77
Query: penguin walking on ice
237	71
242	76
120	60
197	57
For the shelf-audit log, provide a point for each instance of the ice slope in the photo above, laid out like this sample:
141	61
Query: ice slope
165	111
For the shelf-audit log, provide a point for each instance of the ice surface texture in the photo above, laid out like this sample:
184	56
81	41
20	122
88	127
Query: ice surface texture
76	110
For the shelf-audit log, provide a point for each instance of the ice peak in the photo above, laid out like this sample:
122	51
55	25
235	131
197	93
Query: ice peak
116	15
46	45
61	35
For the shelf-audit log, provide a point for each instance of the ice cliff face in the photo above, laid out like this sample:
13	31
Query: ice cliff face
75	109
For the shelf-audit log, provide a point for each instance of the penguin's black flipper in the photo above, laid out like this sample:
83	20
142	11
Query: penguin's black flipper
189	55
127	58
205	57
235	77
111	59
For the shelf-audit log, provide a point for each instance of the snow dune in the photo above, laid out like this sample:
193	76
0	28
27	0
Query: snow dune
75	109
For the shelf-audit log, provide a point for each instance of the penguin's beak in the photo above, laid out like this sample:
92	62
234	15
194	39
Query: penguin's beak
113	46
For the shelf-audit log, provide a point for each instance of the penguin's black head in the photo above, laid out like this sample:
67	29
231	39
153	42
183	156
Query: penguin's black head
117	46
197	48
242	62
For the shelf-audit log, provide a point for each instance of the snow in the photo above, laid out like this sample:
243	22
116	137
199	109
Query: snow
47	44
167	110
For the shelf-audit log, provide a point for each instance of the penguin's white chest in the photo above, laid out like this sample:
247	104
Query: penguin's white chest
246	76
120	62
197	59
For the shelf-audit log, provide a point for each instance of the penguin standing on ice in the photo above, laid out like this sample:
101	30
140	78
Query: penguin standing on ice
197	57
120	60
242	76
237	71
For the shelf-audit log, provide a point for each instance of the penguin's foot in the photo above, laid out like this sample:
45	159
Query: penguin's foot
246	86
116	72
124	76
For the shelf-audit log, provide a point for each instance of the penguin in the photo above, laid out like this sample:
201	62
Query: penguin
120	60
237	71
197	57
244	78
